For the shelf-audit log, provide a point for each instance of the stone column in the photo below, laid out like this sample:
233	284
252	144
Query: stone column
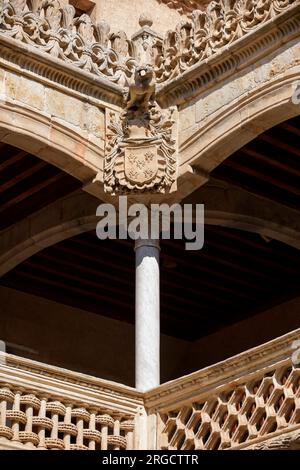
147	315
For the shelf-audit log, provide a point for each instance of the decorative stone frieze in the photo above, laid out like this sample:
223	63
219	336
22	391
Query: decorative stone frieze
207	32
54	29
231	60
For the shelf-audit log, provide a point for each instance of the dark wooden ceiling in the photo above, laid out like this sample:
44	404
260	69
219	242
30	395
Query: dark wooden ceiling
28	183
269	165
236	275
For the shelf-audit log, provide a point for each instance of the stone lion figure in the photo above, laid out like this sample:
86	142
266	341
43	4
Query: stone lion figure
141	90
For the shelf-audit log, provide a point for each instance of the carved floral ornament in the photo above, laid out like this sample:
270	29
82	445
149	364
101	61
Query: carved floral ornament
185	6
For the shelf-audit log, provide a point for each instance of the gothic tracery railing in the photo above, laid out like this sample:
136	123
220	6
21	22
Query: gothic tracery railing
55	30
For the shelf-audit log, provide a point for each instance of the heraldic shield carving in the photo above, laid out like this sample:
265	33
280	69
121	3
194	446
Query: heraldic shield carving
140	164
140	144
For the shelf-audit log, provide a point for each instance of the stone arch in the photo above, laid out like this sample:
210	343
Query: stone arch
75	214
58	221
216	129
270	230
71	148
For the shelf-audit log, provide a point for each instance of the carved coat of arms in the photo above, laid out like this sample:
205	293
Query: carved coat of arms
140	145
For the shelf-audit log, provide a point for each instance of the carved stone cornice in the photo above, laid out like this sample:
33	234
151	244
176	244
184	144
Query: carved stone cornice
185	6
35	64
206	381
47	41
224	62
213	39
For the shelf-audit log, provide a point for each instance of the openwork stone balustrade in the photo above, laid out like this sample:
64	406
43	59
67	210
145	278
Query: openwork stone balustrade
40	422
250	401
50	411
237	414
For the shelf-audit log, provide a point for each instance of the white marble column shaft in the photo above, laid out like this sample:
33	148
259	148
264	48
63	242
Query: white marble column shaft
147	315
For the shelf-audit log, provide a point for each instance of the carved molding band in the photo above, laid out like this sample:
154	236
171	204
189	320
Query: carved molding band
185	6
289	440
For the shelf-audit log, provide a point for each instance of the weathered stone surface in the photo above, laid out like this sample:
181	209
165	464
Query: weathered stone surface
68	109
29	92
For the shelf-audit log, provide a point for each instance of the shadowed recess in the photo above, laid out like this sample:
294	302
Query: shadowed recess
268	166
28	184
236	275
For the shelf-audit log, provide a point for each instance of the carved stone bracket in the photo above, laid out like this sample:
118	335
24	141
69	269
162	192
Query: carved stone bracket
140	151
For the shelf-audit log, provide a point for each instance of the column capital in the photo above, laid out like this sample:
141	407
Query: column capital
140	242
